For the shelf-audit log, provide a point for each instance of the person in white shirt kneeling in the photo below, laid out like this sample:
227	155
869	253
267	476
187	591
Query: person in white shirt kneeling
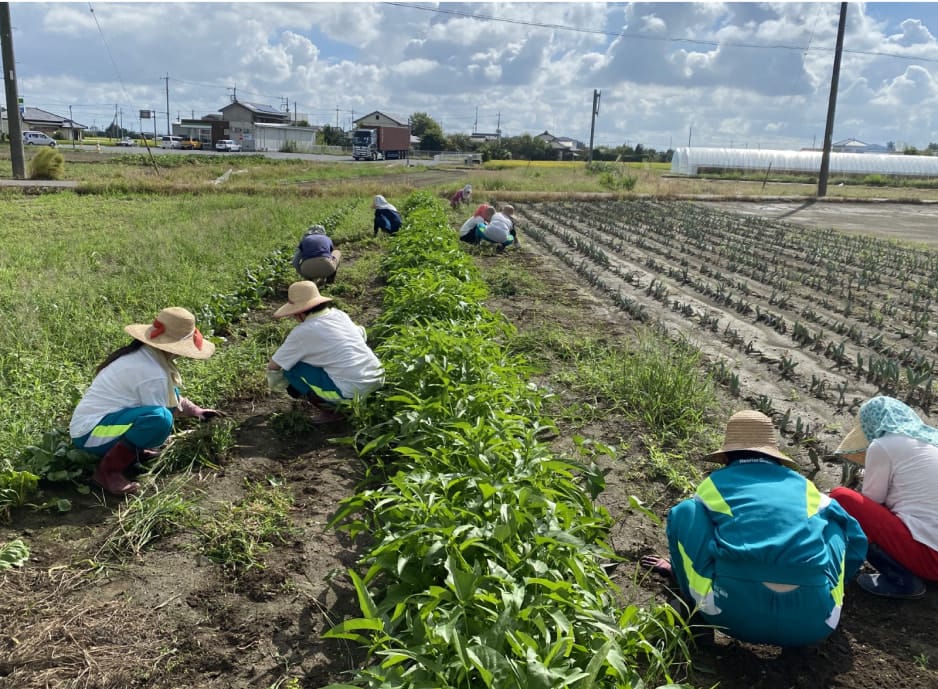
325	359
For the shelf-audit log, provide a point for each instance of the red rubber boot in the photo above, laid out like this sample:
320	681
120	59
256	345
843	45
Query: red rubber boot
109	474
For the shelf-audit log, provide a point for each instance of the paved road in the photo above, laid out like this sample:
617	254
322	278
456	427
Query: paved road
275	155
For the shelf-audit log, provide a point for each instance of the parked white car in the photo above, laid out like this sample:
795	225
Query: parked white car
227	145
31	138
170	142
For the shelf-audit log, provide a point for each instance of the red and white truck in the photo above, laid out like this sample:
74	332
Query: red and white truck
387	143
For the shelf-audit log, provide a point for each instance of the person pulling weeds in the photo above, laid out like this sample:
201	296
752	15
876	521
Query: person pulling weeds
897	506
316	257
128	409
759	552
325	358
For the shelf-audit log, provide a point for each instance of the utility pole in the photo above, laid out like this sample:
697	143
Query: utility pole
169	129
498	127
831	105
17	156
596	92
71	126
337	117
475	125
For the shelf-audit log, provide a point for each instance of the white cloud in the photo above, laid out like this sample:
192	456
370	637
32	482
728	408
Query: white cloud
760	72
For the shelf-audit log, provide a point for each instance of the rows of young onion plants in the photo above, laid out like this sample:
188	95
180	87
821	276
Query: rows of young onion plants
485	568
730	279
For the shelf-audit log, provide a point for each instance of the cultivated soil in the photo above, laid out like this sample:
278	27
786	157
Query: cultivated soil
171	618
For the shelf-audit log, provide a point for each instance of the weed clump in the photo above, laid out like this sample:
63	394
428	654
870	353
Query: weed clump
47	164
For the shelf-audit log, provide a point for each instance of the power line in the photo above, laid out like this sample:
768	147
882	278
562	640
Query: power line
667	39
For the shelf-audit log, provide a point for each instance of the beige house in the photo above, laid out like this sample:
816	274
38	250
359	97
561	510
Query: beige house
378	119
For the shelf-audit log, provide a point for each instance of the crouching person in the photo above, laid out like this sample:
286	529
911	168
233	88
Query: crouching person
325	358
129	405
500	229
759	552
316	257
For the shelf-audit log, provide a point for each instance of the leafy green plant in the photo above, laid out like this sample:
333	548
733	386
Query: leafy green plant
486	565
47	164
16	488
13	554
55	458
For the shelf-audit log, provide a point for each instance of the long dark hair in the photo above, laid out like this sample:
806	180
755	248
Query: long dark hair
118	353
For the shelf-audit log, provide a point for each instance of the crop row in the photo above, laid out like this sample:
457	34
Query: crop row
744	246
869	358
485	568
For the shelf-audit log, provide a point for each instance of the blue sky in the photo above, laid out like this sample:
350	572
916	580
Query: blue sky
722	74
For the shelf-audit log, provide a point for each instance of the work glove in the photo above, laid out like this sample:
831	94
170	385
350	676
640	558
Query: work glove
189	408
276	381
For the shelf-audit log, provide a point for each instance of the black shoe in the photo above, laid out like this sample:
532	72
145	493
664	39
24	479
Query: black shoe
891	580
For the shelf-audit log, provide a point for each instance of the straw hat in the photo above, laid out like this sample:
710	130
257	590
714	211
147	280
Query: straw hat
853	446
173	331
752	431
302	296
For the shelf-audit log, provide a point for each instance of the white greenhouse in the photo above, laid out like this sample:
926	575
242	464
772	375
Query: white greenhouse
688	161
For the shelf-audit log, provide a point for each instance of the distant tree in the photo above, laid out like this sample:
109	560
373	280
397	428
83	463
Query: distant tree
932	148
302	123
910	151
462	142
421	122
494	150
527	147
332	136
428	131
891	146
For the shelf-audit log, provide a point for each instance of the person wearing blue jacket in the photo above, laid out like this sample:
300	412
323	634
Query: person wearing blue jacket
759	552
387	217
316	258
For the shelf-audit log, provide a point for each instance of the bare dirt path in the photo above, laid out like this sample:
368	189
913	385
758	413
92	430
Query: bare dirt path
906	222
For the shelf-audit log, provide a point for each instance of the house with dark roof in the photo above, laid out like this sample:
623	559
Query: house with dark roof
566	148
56	126
243	117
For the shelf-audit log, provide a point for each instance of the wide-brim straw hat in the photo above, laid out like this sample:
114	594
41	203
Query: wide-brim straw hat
853	446
302	296
173	331
751	431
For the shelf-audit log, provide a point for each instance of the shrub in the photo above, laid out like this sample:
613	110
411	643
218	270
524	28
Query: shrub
47	164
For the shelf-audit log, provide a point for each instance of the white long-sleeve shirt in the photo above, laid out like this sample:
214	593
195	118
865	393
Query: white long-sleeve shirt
902	474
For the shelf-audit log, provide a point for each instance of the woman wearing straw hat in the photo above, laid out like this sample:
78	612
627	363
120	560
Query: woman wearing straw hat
325	358
316	257
129	406
759	551
897	506
387	217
